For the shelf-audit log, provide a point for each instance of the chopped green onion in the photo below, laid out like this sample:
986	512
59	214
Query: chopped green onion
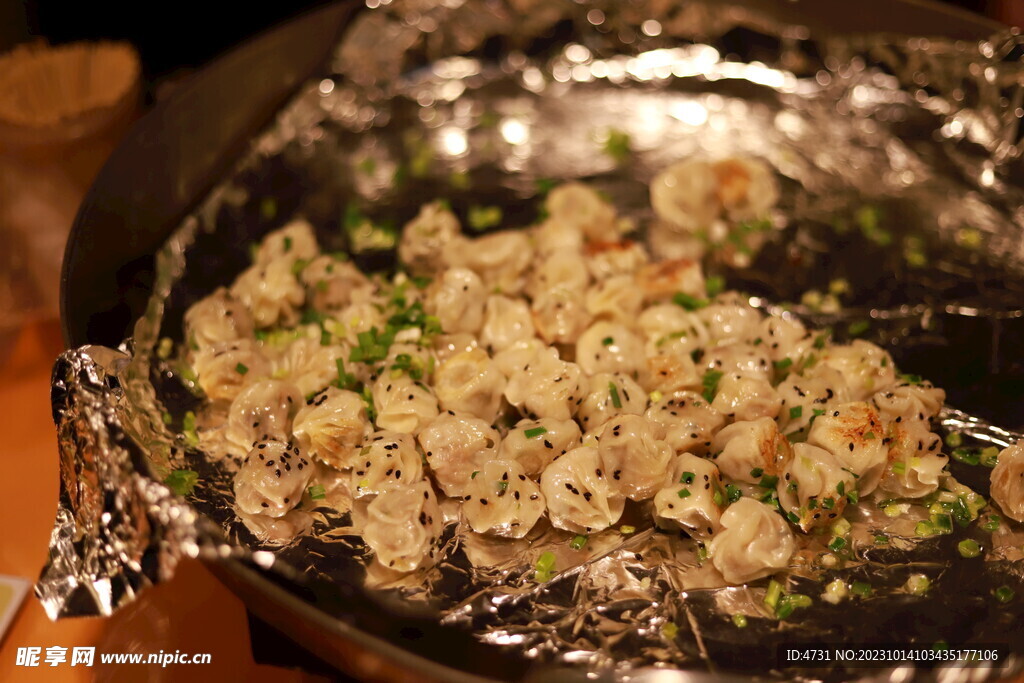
733	493
483	217
870	435
189	431
669	630
182	481
607	341
287	244
535	432
616	144
687	478
841	489
954	440
837	544
899	468
502	486
968	456
924	529
773	594
166	417
1004	594
545	566
299	266
783	365
853	497
881	539
795	412
739	620
768	481
317	492
756	473
578	542
626	529
821	340
683	493
613	391
710	383
702	552
858	328
968	548
241	368
164	348
989	456
861	588
690	303
714	285
841	527
828	503
718	497
475	472
992	524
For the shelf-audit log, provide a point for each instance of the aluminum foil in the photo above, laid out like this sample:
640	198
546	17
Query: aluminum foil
478	101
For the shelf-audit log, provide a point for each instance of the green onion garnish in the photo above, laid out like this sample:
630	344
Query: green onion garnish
954	440
718	497
687	478
828	503
182	481
861	588
613	391
858	328
918	584
968	548
992	524
683	493
690	303
475	472
739	620
773	594
710	383
899	468
768	481
795	412
733	493
881	539
714	285
241	368
189	431
287	244
626	529
756	473
607	341
317	492
1004	594
669	630
535	432
989	456
837	544
578	542
783	365
545	566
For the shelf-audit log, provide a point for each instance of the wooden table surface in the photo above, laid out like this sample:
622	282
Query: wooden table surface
192	613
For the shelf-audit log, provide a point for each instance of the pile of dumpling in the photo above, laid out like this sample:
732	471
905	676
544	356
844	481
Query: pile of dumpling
566	373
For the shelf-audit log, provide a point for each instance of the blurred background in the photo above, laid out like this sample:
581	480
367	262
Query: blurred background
73	77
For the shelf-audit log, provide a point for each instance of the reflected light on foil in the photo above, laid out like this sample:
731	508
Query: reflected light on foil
514	131
453	141
326	86
577	53
988	176
691	113
595	17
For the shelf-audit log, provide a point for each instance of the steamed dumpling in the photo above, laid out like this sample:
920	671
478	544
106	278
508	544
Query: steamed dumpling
333	426
813	486
754	542
746	451
470	382
308	364
1008	481
403	526
746	398
694	498
635	458
918	402
578	494
866	368
688	422
547	387
216	319
535	444
263	410
610	396
457	298
224	368
456	445
915	462
331	284
559	316
387	460
290	243
424	238
610	347
501	500
403	404
506	322
853	433
579	206
272	478
271	292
